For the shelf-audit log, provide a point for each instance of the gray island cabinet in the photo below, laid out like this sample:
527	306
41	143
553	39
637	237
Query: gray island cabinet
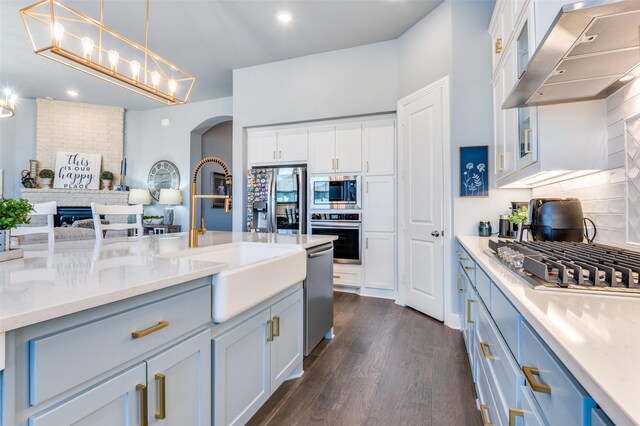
156	358
134	362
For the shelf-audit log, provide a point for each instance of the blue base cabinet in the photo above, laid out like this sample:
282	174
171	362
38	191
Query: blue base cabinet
144	360
519	380
253	358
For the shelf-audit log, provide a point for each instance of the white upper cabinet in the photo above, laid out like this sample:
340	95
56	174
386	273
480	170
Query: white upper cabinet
335	149
534	144
271	147
348	151
262	147
292	146
379	147
322	149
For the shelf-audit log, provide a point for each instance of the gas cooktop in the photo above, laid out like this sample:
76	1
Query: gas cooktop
571	266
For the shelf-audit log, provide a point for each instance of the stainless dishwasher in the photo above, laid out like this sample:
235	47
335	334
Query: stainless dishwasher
318	296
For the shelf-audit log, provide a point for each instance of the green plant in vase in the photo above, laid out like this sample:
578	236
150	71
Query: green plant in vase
46	176
106	177
519	217
13	212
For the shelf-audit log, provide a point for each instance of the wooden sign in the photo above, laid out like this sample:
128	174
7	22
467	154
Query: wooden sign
77	171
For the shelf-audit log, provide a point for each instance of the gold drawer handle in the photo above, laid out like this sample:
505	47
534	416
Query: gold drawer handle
464	259
514	413
142	333
529	372
459	284
469	268
485	351
485	417
142	389
500	162
276	322
270	329
336	276
498	45
162	384
469	320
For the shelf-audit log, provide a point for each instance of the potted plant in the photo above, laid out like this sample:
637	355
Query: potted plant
106	177
519	217
13	212
46	176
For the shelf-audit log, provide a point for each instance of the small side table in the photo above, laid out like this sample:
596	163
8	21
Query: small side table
160	229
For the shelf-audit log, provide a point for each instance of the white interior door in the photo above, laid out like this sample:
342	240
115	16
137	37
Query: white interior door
422	137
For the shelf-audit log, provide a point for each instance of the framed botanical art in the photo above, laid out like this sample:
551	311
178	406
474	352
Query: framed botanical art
474	171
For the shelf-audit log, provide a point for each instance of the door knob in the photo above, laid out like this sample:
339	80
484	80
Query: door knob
435	233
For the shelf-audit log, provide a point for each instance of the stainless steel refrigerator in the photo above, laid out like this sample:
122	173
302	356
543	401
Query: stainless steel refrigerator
277	200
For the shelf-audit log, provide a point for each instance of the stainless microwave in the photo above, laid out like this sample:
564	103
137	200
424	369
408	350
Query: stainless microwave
336	192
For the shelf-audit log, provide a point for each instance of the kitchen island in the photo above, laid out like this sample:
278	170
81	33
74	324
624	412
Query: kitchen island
595	337
87	323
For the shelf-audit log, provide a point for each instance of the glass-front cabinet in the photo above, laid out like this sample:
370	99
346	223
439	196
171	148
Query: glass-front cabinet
527	138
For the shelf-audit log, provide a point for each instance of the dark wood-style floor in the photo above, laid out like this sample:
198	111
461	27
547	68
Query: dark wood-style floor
387	365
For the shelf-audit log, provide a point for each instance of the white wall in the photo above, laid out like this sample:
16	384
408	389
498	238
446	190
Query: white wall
472	113
355	81
17	145
147	141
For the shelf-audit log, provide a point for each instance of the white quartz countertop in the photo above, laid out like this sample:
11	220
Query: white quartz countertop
597	337
79	275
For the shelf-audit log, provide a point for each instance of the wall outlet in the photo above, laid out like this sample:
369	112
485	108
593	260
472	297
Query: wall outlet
165	122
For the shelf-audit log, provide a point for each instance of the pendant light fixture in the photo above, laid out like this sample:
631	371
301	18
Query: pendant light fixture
70	37
7	104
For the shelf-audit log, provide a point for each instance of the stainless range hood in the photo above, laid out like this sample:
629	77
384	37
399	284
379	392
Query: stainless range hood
590	47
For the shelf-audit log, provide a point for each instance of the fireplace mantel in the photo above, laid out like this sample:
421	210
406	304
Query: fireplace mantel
75	197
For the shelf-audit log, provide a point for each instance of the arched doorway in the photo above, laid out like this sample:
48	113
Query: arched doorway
212	137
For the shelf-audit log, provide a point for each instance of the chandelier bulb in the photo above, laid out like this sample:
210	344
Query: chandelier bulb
173	85
12	101
113	60
57	31
87	47
155	79
135	70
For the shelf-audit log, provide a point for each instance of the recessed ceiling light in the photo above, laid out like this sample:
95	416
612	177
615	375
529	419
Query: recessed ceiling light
626	78
284	16
72	93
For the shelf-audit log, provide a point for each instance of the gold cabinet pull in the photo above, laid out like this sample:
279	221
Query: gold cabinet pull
459	253
469	268
529	373
498	45
485	416
274	154
367	187
336	276
514	413
270	330
500	162
276	323
367	166
162	384
464	259
366	242
333	164
280	154
147	331
459	284
469	320
485	351
142	390
527	142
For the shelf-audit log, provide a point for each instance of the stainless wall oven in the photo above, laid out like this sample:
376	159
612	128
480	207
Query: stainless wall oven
347	227
336	192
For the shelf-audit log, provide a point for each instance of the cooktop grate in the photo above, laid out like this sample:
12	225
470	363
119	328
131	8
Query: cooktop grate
571	265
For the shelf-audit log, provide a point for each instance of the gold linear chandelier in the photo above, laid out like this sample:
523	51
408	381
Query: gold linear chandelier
8	105
72	38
